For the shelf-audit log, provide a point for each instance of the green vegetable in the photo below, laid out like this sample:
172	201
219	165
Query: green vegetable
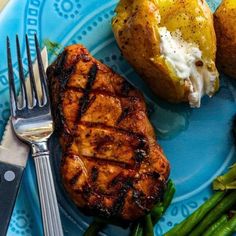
185	227
148	226
94	228
223	219
226	181
169	194
135	229
52	47
140	230
225	205
160	208
156	213
227	229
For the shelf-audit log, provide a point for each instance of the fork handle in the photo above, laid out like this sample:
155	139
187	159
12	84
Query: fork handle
48	201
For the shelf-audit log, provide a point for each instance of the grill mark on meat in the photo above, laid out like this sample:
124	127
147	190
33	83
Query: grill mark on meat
140	155
125	112
86	190
119	204
141	150
154	175
94	174
103	92
114	162
117	179
75	178
137	196
139	136
84	101
102	141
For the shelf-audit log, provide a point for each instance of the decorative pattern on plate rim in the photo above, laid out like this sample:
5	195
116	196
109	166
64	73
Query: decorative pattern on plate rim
21	223
67	8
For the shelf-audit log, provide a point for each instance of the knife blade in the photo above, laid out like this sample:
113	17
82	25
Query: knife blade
3	3
13	159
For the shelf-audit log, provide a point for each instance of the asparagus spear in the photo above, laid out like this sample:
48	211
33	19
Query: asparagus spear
136	228
156	213
225	205
169	194
185	227
148	226
94	228
140	230
223	219
161	207
227	229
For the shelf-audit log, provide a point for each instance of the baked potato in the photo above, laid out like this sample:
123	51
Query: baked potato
225	26
171	44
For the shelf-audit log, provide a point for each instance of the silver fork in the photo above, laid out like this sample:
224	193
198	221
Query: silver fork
33	124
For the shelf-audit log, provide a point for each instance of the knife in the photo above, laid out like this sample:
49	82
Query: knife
13	159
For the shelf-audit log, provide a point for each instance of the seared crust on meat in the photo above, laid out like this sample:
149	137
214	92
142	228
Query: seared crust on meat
112	165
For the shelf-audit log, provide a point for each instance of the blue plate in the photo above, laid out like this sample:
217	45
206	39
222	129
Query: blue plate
197	142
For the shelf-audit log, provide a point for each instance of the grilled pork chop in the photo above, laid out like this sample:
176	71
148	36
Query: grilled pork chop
112	165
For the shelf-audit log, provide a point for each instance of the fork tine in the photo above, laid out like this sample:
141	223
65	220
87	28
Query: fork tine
12	89
21	75
31	74
42	73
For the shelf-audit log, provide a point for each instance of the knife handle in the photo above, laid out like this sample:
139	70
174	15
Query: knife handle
10	178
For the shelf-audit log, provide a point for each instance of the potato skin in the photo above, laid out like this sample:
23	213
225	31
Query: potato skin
136	30
225	26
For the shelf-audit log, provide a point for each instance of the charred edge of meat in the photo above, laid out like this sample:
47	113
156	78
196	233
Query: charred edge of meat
84	101
62	73
58	70
126	87
56	73
114	221
144	202
99	210
59	63
85	57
